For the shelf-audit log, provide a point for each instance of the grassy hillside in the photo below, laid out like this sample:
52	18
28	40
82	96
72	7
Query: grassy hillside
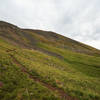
40	65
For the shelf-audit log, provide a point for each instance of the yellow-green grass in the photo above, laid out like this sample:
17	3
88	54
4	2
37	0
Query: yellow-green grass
77	74
17	85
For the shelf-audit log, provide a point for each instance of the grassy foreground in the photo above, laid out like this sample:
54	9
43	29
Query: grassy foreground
78	75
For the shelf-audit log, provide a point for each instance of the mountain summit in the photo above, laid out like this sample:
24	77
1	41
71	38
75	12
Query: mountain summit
43	65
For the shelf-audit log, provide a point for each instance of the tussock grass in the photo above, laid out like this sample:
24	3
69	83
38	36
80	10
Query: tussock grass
77	74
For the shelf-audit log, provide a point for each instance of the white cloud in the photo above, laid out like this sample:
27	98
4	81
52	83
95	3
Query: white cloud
77	19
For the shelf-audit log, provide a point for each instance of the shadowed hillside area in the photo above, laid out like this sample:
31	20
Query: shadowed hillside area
43	65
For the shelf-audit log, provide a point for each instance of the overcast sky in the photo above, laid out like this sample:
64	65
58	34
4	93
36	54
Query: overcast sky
77	19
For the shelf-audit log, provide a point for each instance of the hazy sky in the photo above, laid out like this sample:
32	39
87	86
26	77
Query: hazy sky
77	19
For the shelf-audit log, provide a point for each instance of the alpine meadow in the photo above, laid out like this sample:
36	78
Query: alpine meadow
43	65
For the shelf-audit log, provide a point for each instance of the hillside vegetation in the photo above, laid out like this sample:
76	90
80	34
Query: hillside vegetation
42	65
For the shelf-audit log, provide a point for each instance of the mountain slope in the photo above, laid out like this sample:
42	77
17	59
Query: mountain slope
37	38
42	65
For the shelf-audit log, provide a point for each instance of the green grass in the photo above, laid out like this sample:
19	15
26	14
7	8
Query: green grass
73	80
16	84
77	74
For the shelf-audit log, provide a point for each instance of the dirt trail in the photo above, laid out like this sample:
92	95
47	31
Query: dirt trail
61	93
1	84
